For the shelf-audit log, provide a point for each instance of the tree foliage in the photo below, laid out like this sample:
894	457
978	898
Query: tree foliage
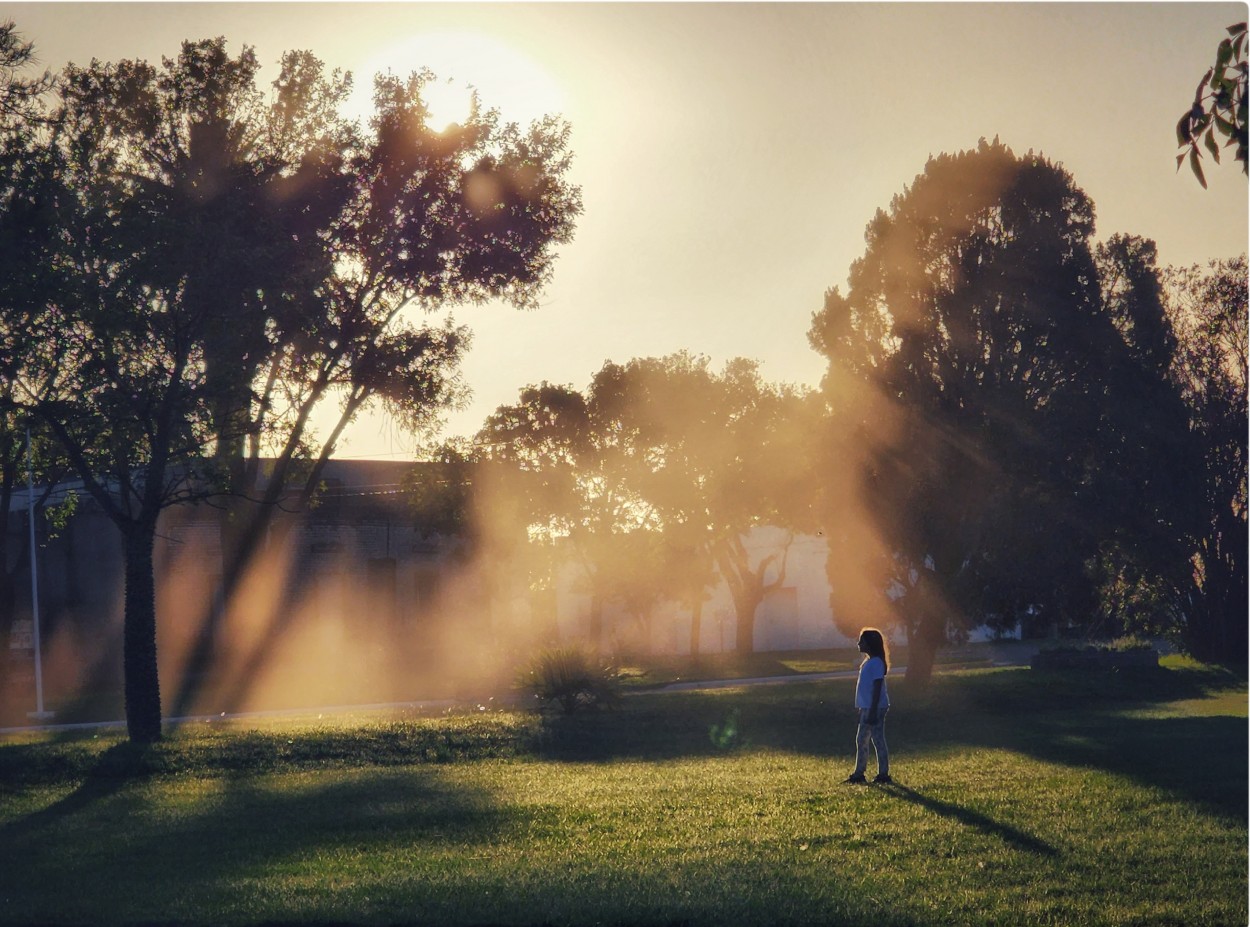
22	183
975	379
1208	307
717	454
223	261
654	475
1219	107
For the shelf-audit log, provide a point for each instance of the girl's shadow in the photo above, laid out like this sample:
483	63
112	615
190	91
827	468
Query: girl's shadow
1014	836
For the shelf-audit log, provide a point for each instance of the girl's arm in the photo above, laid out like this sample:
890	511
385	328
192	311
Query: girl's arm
876	700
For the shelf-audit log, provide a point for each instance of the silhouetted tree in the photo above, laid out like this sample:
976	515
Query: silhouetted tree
968	377
1149	499
1219	104
575	479
653	477
716	454
1208	307
235	261
23	206
21	93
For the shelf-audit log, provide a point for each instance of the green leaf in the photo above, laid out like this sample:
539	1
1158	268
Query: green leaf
1197	168
1182	131
1209	141
1225	52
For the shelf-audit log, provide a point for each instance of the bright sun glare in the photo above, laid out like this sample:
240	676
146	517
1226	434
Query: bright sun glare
505	78
448	102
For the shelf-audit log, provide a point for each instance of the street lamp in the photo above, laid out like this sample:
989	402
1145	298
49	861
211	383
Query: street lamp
38	714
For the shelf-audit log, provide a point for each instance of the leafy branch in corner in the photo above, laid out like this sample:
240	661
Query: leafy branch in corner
1219	105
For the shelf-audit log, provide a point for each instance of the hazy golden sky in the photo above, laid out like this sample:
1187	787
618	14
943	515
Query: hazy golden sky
730	155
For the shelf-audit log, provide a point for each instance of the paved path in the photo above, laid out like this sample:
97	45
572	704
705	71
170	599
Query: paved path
1005	655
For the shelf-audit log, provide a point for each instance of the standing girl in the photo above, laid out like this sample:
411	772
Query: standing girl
872	701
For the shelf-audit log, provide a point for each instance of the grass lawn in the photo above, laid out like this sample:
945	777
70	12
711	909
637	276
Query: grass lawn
1022	798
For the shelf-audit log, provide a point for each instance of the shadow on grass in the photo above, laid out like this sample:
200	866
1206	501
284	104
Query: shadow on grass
384	846
227	832
1087	722
105	778
1098	722
974	819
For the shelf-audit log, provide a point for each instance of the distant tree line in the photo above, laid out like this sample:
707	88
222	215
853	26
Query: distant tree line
648	482
1019	427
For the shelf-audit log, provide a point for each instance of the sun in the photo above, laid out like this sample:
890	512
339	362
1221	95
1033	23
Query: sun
504	77
447	101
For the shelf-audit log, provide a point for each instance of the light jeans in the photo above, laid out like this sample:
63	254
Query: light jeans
876	734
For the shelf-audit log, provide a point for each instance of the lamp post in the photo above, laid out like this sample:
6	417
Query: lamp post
38	714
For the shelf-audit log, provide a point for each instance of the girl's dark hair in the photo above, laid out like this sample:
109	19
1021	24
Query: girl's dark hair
875	645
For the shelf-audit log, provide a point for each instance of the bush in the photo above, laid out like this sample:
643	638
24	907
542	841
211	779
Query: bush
572	679
1123	653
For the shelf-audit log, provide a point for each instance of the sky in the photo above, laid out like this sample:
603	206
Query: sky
731	155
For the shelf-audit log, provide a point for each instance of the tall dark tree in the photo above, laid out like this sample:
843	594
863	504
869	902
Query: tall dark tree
235	261
24	205
974	330
313	248
1208	307
1150	492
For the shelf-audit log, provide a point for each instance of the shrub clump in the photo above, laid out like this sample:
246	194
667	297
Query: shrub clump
1124	653
571	679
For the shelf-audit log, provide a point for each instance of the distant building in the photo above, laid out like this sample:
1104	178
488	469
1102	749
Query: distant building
362	598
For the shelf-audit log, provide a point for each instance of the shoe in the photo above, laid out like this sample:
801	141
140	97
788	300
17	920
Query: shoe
883	779
855	779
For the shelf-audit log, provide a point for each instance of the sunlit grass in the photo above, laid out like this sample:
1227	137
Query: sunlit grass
660	670
1022	798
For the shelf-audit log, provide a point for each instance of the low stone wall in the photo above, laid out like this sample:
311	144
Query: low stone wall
1094	658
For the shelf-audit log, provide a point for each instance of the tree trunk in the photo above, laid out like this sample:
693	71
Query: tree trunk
922	653
930	619
142	686
594	629
747	586
696	625
744	636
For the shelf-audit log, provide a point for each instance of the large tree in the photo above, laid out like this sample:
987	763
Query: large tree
239	260
1208	307
971	393
575	478
716	454
23	204
654	476
1150	498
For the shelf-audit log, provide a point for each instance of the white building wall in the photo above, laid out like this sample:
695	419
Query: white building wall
795	616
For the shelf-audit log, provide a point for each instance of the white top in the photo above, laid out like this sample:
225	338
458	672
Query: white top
872	669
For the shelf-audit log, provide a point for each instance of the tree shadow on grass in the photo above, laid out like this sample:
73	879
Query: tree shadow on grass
107	775
1097	724
1101	722
214	844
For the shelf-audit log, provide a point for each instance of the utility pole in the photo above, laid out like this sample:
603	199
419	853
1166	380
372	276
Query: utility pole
38	714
